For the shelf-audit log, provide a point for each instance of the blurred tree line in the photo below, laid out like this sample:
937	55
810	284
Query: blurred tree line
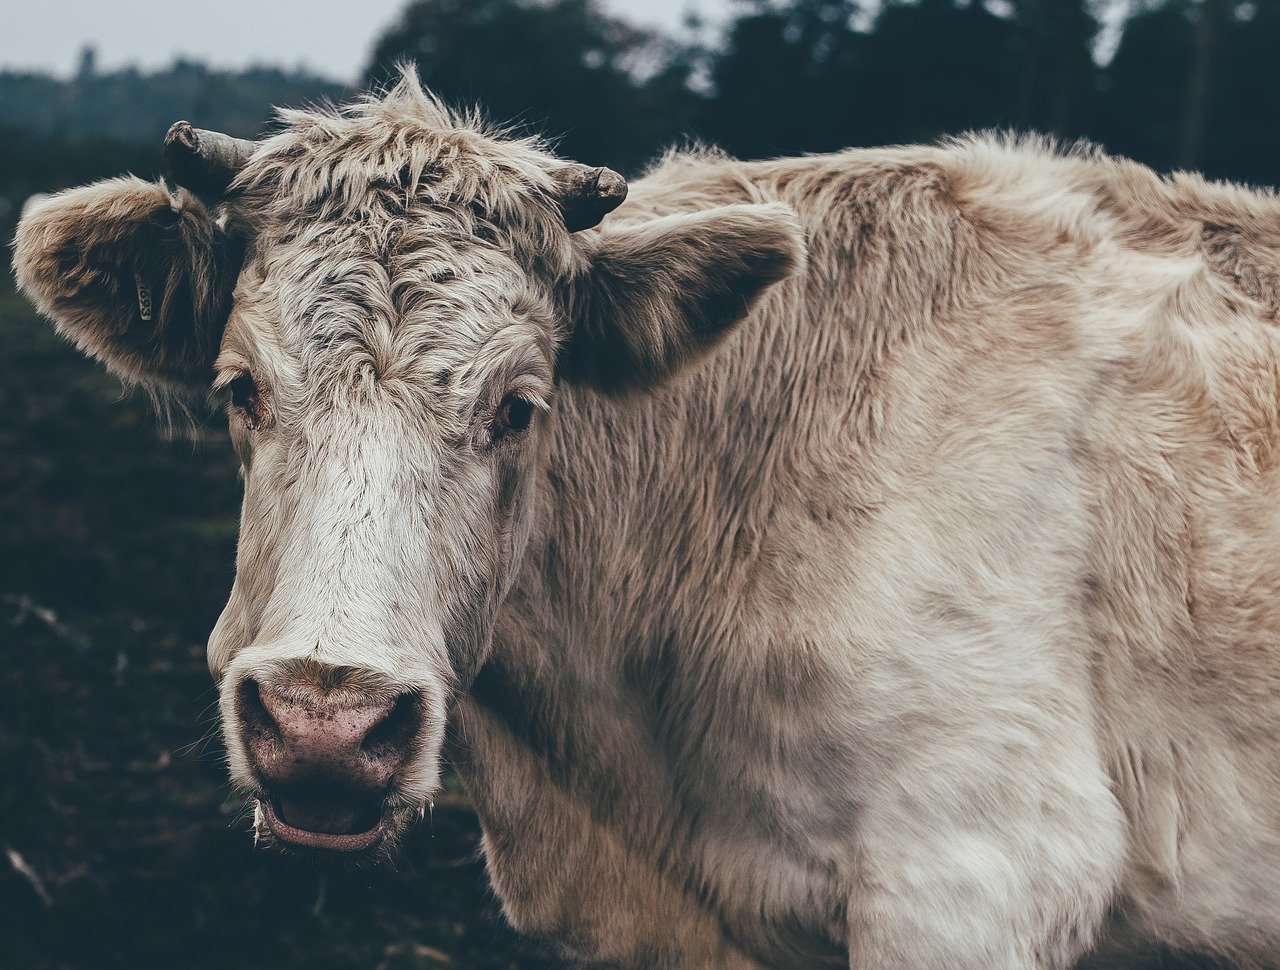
1173	83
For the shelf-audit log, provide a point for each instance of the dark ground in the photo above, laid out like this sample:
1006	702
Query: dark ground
122	845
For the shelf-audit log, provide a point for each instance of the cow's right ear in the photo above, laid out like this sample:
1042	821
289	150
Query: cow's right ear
137	277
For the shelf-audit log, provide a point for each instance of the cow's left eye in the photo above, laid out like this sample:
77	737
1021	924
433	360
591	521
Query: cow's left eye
512	417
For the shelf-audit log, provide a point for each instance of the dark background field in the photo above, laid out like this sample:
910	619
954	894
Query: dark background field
122	844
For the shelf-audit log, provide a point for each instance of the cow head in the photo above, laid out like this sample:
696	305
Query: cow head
388	298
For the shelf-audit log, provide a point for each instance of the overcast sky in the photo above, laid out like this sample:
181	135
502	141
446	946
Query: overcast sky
331	37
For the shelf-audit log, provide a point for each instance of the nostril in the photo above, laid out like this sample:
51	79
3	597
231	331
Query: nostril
392	737
261	733
294	736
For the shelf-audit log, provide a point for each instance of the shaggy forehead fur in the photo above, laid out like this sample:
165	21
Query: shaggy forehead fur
406	156
395	243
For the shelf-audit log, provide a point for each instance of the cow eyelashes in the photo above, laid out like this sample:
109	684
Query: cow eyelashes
245	398
512	417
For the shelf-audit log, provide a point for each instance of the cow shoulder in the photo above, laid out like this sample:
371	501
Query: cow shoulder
1234	228
1247	256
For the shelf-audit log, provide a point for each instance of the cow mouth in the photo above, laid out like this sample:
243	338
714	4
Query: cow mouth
341	828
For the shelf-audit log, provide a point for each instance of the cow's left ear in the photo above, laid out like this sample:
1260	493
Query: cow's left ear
655	296
136	277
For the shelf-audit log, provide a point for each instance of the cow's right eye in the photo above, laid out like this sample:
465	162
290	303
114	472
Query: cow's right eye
245	398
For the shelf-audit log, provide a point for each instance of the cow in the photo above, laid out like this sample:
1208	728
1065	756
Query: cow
860	560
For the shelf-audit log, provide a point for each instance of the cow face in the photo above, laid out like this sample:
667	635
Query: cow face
387	299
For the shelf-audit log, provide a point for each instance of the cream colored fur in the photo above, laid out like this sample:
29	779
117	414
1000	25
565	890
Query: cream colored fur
927	618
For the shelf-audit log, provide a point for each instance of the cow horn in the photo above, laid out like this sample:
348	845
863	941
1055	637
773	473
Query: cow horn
586	195
203	161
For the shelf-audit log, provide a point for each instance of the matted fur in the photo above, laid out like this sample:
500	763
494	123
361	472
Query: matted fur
898	596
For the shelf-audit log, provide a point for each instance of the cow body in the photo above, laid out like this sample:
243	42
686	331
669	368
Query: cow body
925	617
946	589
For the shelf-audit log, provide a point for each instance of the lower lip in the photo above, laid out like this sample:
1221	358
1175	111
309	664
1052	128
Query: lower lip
323	841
